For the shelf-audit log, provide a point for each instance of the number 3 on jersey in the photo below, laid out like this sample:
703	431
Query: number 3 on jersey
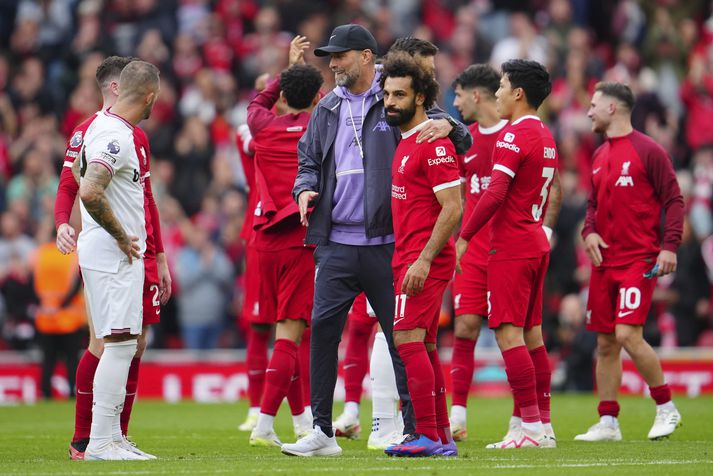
548	174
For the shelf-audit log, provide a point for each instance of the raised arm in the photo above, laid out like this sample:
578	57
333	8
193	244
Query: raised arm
445	126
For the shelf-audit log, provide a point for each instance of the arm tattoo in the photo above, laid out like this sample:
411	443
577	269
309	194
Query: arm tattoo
91	191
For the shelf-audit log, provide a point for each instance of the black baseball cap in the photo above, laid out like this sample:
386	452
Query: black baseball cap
348	37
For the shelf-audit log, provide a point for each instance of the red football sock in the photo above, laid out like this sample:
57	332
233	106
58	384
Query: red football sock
462	365
421	382
86	369
304	365
521	376
256	360
442	422
132	383
356	360
543	379
278	375
608	408
661	394
294	394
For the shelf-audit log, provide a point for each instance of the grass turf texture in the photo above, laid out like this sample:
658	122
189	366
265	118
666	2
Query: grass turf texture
193	439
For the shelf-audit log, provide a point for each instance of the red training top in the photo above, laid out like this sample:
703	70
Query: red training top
632	181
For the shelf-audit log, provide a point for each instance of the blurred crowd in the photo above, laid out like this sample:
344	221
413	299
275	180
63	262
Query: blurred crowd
211	52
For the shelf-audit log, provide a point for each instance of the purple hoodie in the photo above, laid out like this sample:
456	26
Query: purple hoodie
348	202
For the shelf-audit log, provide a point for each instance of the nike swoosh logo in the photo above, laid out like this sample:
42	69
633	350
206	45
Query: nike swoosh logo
348	366
330	38
455	370
396	321
468	158
624	314
270	370
158	311
596	171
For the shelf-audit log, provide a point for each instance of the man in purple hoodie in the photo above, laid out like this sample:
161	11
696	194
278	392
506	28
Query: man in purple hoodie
345	174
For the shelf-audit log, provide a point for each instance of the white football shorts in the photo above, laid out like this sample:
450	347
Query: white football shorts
115	299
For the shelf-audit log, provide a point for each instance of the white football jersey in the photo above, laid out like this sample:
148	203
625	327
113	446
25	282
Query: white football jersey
109	141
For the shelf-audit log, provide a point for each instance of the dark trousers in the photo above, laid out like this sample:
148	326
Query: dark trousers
54	345
342	272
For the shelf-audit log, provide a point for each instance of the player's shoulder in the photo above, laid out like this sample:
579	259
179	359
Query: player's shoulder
647	147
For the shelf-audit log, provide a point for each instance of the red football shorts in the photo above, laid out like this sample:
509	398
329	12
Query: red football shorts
287	284
515	292
420	311
362	311
470	289
619	296
251	296
152	305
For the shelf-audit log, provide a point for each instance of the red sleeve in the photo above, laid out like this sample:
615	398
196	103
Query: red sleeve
155	219
66	194
260	109
589	224
488	204
663	179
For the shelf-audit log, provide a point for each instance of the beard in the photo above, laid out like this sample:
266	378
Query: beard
346	79
402	116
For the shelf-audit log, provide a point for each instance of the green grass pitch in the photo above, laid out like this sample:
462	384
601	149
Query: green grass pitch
192	439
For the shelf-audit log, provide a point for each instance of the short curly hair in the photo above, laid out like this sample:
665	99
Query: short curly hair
401	65
299	84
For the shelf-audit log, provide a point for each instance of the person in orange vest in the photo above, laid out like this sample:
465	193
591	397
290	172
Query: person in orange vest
60	317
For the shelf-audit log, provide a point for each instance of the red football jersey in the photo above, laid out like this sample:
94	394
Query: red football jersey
632	182
476	166
526	151
418	172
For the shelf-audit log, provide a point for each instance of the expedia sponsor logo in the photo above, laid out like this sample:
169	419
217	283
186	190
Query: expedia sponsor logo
441	160
397	192
108	158
506	145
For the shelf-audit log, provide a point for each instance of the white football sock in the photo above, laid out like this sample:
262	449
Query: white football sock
303	419
264	423
515	420
383	380
352	408
534	427
254	411
666	406
110	391
609	421
458	413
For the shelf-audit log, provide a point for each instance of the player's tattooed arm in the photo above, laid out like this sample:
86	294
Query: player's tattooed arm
92	193
76	169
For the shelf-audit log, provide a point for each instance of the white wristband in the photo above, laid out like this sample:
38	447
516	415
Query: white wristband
548	232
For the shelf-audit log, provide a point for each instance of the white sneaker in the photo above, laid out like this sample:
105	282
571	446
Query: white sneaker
111	452
347	425
316	443
550	438
521	439
600	432
129	445
514	429
268	439
378	441
250	422
459	430
665	423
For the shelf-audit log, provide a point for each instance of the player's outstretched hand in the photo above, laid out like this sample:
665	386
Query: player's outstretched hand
436	129
415	277
130	247
298	45
461	248
666	262
592	243
304	201
66	239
